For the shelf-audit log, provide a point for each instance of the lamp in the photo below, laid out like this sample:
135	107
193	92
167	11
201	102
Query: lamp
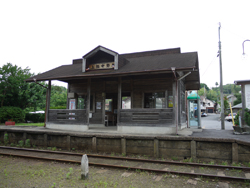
243	46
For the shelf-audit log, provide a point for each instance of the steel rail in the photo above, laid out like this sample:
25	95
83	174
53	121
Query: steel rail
134	168
132	159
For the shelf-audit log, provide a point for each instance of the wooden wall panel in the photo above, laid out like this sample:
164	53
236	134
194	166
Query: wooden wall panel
78	87
137	100
111	86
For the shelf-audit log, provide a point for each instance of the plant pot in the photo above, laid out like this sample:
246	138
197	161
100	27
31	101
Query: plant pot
238	129
9	123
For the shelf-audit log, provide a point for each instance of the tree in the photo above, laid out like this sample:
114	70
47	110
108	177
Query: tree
238	100
14	91
212	95
11	82
58	96
216	84
202	85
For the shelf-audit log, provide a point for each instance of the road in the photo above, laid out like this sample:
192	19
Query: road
212	122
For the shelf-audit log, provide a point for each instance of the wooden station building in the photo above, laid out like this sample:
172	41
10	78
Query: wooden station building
142	92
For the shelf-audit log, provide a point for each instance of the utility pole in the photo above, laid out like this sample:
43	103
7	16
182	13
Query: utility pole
222	115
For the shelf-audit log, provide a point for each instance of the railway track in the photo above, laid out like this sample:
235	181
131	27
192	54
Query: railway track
237	173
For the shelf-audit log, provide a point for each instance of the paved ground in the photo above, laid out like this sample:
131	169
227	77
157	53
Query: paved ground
212	121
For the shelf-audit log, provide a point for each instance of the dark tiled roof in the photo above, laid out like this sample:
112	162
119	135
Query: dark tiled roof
134	63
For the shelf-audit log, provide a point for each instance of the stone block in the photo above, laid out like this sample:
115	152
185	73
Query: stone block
175	144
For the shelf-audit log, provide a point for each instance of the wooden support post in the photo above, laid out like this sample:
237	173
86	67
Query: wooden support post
166	99
193	150
47	103
103	107
67	96
68	142
94	149
174	102
45	140
156	148
119	99
88	100
235	155
123	145
132	93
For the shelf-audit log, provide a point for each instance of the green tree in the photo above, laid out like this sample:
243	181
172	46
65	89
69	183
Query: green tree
226	104
58	96
212	95
11	82
238	100
14	91
202	85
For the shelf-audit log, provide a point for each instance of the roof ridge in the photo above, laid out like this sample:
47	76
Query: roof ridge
152	53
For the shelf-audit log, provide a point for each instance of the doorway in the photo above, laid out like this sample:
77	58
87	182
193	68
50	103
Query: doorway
111	109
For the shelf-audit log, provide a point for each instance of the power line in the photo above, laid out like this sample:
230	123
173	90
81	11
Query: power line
213	60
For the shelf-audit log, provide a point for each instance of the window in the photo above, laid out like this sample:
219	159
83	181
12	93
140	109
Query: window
82	102
108	105
126	102
154	100
170	99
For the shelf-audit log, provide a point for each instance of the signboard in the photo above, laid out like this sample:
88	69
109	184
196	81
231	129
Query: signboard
72	106
247	95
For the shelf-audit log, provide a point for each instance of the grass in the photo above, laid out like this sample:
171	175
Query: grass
30	124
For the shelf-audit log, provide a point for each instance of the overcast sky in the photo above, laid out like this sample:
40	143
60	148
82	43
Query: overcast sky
44	34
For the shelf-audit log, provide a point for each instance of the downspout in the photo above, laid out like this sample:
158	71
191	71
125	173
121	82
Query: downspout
46	100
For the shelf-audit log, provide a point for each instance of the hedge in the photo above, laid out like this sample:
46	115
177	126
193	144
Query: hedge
35	118
11	113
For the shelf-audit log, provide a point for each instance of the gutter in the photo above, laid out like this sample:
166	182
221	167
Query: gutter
112	74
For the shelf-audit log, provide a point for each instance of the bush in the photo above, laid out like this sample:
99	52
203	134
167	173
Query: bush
59	107
14	113
35	118
247	116
236	120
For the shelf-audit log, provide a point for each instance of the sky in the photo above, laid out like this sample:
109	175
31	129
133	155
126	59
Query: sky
43	35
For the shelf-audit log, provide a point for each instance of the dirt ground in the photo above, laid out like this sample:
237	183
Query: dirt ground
19	172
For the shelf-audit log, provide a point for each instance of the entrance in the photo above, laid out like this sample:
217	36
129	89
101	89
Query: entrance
111	109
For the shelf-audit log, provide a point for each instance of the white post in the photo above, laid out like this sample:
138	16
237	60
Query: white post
85	167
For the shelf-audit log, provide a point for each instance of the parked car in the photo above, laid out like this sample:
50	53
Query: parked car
229	117
203	114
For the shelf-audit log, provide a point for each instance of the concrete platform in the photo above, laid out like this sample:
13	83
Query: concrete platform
112	131
202	144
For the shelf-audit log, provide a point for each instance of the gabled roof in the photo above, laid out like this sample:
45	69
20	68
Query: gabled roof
157	61
99	48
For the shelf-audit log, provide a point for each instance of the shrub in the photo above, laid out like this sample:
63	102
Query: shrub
35	118
236	120
27	143
59	107
6	139
14	113
21	143
247	116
